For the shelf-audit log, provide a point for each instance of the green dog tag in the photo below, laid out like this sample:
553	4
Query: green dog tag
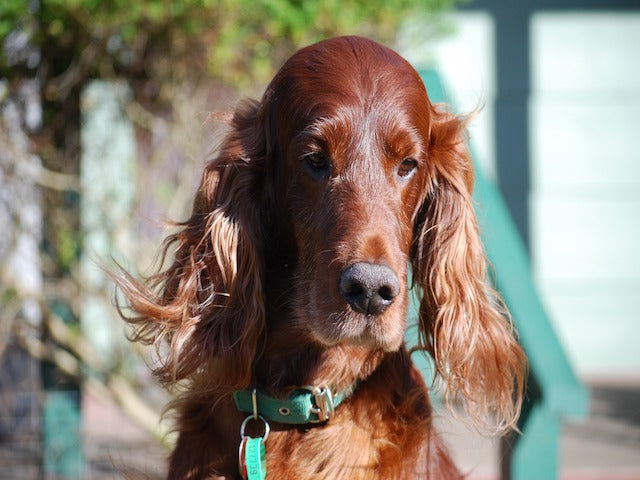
255	458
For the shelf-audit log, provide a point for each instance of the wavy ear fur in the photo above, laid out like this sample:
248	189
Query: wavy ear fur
463	324
208	304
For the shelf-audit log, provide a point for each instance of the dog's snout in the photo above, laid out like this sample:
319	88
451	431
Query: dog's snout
368	287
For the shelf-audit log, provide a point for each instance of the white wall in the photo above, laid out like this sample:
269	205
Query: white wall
585	173
585	166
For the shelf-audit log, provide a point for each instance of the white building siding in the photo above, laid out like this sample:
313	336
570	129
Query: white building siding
585	175
584	121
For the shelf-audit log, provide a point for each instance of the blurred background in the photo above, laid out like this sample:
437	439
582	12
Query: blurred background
108	111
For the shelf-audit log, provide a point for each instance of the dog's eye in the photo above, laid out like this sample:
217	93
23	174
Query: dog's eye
407	167
317	164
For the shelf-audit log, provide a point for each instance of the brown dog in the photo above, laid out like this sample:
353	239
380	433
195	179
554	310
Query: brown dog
292	272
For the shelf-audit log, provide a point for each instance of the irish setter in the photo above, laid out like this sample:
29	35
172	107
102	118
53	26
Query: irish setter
333	196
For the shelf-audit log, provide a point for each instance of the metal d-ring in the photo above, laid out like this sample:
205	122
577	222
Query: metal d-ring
267	428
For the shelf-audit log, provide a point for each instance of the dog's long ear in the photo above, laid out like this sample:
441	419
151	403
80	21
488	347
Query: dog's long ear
462	322
208	304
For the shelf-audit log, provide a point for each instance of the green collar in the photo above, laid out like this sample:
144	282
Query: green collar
304	405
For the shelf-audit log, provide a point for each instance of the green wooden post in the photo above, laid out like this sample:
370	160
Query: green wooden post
554	391
534	455
63	456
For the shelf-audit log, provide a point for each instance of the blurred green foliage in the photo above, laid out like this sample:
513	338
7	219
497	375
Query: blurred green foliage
237	41
158	47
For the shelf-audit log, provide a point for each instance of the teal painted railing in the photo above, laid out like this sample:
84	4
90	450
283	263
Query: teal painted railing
554	392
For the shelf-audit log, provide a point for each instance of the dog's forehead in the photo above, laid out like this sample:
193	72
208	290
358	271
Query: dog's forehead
343	69
345	89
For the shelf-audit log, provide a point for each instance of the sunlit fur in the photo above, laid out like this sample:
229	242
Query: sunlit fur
251	295
464	325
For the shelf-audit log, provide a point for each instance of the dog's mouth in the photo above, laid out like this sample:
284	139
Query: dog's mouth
373	332
384	331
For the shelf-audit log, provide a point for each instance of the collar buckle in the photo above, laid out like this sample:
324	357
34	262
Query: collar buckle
324	406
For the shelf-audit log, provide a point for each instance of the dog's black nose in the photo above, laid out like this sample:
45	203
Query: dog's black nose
369	287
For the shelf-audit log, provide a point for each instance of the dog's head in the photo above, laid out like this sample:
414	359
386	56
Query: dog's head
322	198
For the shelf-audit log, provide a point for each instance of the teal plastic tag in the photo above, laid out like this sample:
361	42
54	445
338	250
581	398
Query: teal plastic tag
255	459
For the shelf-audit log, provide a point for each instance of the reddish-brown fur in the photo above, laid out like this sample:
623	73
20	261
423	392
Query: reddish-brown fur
252	298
